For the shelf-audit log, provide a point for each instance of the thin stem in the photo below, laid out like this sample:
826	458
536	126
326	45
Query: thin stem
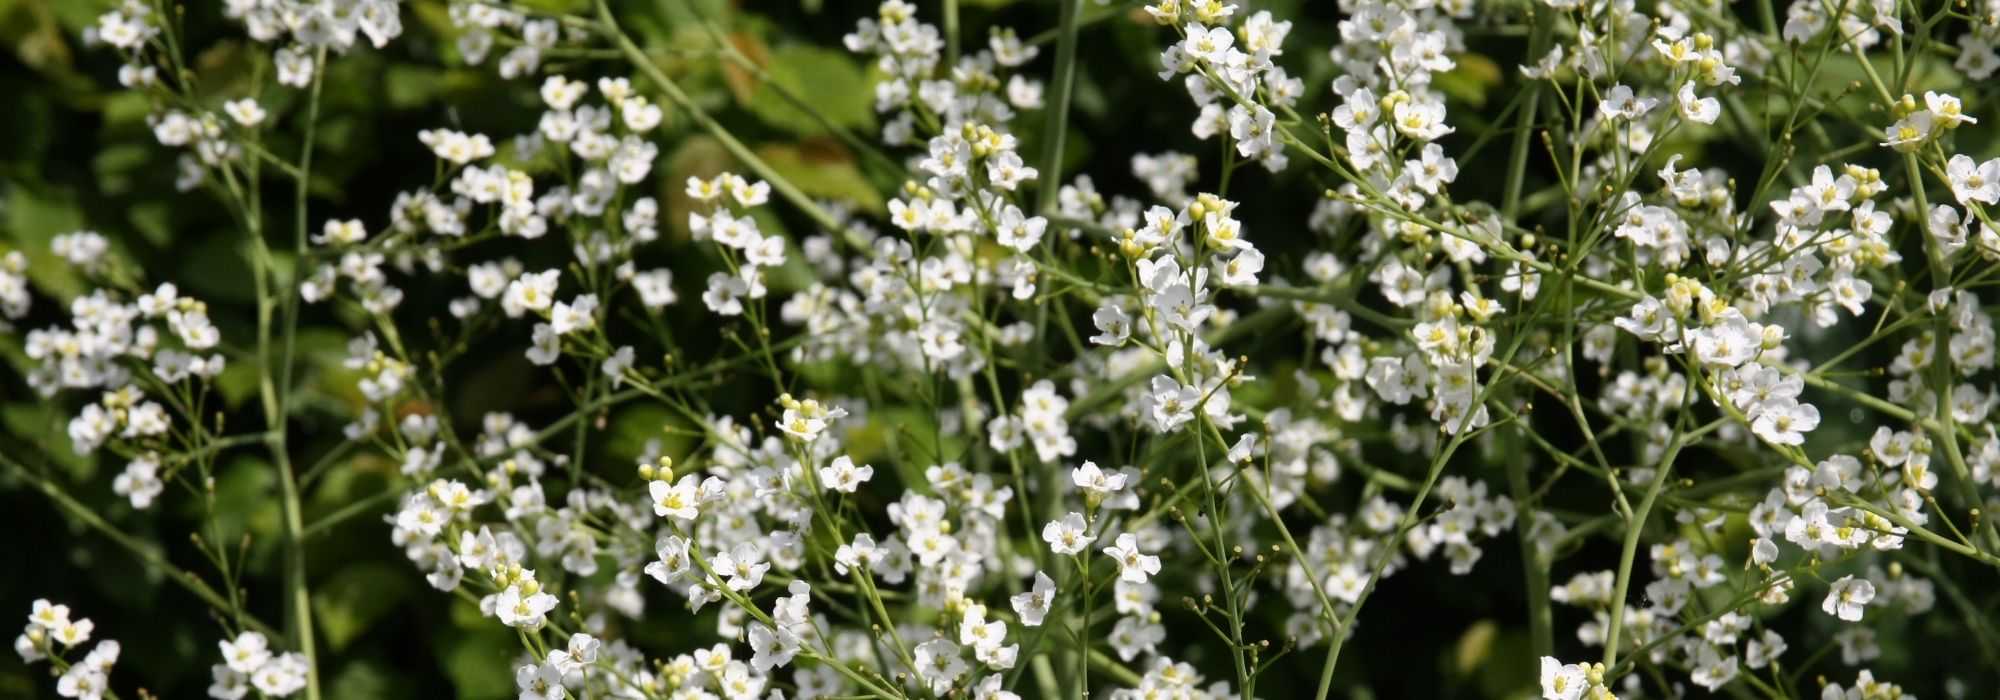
1517	158
1063	84
608	25
152	557
1630	549
1534	567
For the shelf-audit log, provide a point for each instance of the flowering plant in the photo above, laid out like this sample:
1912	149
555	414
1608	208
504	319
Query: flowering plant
677	365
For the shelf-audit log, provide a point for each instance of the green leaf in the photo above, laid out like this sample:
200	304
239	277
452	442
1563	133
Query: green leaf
367	680
154	220
75	15
1475	646
217	270
33	220
469	657
125	114
237	383
632	427
116	165
355	478
409	87
1471	80
825	170
46	418
243	499
357	597
827	81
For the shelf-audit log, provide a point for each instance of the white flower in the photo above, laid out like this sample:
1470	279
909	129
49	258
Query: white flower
976	632
561	93
47	616
1911	131
295	66
1133	565
806	420
1947	109
1784	421
1421	119
247	653
1133	635
82	682
1067	536
140	482
745	192
1017	231
1207	43
456	147
939	665
518	609
545	345
227	683
566	318
680	501
619	363
743	566
673	563
246	112
656	288
1562	681
1094	480
533	291
725	294
843	476
1033	605
1241	270
1433	171
341	232
539	682
1972	181
1712	669
1848	597
1619	103
1700	110
1172	404
1114	326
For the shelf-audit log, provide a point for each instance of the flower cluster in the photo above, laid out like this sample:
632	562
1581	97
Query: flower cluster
249	663
990	431
52	636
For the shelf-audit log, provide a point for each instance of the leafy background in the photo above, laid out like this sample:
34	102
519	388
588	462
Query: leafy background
78	154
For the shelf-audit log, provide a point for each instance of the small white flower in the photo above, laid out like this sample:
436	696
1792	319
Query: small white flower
843	476
1562	681
1700	110
1133	565
1848	597
1067	536
1033	605
246	112
1094	480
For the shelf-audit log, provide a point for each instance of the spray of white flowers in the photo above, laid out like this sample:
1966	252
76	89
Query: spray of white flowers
1154	450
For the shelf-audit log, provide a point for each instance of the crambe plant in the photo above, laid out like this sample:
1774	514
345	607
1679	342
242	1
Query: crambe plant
1667	343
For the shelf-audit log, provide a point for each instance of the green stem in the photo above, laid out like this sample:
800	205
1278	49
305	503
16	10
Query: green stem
1535	572
950	33
152	557
1517	158
1633	529
791	193
1063	84
274	386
